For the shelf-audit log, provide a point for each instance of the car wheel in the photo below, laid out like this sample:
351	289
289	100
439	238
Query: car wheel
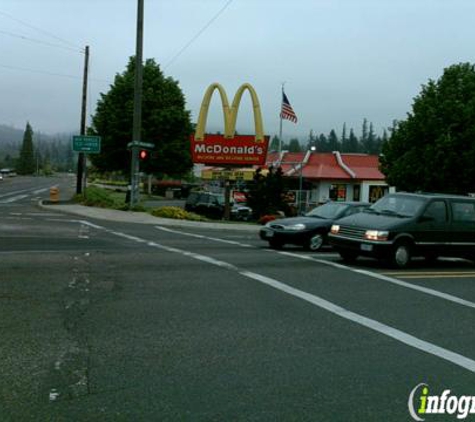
315	242
348	256
275	244
401	255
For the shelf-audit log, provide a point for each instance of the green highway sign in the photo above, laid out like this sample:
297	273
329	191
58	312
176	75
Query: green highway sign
87	144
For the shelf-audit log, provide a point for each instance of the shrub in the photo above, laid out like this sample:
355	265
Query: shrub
176	213
96	197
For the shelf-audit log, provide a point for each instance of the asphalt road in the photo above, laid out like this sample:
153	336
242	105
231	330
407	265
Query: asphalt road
112	321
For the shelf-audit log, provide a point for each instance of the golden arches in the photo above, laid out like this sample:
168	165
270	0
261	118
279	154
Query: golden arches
229	113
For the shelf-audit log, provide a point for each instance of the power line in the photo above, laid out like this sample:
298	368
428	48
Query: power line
44	72
40	41
70	44
198	34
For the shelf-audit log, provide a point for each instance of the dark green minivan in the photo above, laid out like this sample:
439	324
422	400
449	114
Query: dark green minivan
404	225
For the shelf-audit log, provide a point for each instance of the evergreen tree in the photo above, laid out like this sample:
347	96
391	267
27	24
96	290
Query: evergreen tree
353	144
322	143
26	163
364	134
274	144
294	145
333	143
369	140
344	139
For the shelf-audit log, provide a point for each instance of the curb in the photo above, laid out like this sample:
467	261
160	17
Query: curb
140	217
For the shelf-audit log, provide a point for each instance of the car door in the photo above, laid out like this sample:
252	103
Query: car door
433	229
463	227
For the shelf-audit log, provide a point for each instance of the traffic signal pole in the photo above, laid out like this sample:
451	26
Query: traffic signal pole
137	121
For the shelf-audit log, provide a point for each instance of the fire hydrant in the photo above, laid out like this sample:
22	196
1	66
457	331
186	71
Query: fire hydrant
54	194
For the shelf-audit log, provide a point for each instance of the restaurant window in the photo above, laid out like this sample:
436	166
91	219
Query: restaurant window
377	192
338	192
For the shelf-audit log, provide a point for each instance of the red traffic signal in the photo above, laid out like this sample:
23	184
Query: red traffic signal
143	154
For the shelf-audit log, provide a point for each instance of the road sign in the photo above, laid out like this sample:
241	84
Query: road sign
139	144
87	144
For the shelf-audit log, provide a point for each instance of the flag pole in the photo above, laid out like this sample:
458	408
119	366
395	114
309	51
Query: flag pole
280	130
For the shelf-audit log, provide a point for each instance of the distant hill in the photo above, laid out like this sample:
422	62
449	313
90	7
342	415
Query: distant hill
54	150
10	134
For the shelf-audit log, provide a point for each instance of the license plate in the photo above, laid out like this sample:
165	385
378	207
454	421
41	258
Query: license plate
367	248
268	234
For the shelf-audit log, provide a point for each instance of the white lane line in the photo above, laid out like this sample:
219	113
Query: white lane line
13	199
14	193
401	336
426	290
199	236
382	277
36	192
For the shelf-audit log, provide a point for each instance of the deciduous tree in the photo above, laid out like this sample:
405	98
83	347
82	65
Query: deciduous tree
165	123
434	148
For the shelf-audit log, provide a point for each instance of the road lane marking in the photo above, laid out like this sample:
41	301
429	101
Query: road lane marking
200	236
428	273
36	192
394	333
13	199
14	192
433	274
455	275
379	276
426	290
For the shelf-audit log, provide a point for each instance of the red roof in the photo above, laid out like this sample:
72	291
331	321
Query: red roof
326	166
364	166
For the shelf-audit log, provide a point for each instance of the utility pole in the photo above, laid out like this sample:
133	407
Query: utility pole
81	176
137	122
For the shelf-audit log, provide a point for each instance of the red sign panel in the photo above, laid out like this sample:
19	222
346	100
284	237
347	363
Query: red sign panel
242	150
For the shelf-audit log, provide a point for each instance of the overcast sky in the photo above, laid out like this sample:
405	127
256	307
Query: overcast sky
341	60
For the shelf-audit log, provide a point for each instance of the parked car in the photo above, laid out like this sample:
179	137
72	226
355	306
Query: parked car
403	225
311	230
211	205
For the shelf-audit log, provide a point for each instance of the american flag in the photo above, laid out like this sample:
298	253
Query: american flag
287	112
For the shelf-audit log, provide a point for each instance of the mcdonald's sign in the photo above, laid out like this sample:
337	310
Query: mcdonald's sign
229	148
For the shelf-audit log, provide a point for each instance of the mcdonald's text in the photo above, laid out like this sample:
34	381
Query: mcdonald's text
240	150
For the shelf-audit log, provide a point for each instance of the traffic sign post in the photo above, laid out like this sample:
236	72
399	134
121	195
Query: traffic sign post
87	144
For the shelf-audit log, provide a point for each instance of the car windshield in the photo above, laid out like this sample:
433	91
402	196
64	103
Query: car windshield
330	210
398	205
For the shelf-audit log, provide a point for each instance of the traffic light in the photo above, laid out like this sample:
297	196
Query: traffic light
143	154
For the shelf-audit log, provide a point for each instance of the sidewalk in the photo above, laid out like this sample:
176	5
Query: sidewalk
144	218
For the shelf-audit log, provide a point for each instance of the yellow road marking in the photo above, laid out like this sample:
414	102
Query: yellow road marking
433	274
440	276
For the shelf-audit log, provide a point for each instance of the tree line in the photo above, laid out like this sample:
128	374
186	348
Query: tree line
38	154
368	142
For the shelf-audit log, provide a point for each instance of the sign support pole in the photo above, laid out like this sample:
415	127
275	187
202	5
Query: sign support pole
137	121
81	174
